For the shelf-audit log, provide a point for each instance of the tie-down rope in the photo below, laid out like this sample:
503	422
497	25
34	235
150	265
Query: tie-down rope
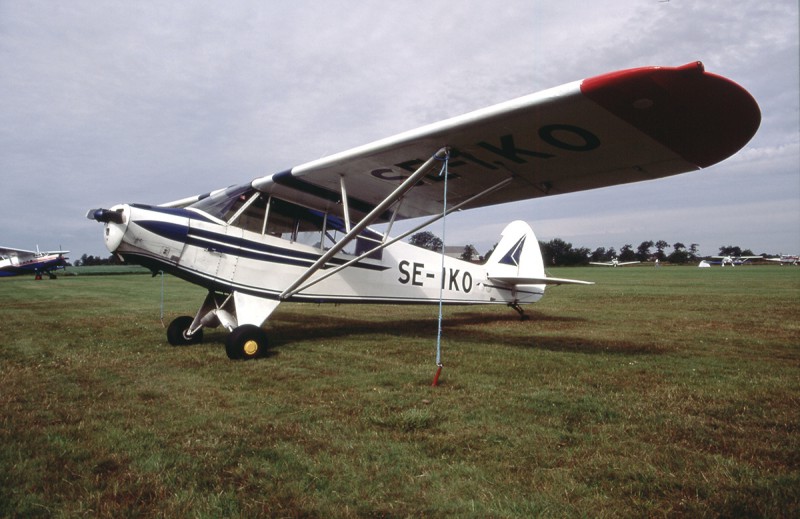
441	285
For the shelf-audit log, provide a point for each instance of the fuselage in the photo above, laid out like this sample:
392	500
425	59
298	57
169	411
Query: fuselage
13	266
220	256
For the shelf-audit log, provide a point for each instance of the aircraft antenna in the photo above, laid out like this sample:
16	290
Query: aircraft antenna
441	286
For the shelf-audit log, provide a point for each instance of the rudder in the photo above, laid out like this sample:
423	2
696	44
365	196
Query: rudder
517	254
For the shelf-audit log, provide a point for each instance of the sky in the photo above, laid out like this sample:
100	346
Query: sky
115	101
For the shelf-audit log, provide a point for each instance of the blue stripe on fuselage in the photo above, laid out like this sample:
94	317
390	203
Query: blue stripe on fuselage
241	247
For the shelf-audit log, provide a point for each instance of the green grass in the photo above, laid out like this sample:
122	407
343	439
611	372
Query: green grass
657	392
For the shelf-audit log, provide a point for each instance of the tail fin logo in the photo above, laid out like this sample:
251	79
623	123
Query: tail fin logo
513	255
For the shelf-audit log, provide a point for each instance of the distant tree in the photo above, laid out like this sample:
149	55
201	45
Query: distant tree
426	240
730	250
601	254
559	252
87	260
643	251
469	253
626	253
679	254
489	252
660	246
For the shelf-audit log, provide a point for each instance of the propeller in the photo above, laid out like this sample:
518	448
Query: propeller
105	215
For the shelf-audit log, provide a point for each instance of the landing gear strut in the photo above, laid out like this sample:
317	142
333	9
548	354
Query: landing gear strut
520	311
246	341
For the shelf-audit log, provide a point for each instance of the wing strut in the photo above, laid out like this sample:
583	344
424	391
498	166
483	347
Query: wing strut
385	244
345	207
374	214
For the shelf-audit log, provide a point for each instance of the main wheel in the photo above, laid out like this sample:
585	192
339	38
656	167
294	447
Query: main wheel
246	342
176	332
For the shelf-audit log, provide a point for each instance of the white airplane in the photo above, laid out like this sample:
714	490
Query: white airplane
14	262
613	263
735	260
304	234
790	259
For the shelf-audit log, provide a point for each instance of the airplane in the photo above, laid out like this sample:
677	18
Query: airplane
308	234
613	263
791	259
734	260
14	262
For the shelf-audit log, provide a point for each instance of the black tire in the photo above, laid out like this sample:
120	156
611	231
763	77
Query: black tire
176	329
246	342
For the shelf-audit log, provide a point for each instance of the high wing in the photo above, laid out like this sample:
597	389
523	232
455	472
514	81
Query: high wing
612	263
628	126
9	251
738	258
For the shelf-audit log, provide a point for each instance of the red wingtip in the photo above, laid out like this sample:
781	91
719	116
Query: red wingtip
703	117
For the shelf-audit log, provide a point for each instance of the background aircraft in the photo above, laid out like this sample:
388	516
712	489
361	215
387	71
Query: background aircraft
613	263
303	234
734	260
14	262
788	259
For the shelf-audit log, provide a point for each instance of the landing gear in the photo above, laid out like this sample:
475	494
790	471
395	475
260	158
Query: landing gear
520	311
176	332
246	342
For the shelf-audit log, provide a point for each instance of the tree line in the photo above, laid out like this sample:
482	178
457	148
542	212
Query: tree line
559	252
562	253
87	260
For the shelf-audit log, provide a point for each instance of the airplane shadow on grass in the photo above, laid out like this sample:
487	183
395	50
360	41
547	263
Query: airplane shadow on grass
482	329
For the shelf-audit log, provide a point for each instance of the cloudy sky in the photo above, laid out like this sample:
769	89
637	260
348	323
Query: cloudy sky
108	102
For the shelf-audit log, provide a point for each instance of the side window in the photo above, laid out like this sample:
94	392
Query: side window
367	241
251	213
295	223
281	219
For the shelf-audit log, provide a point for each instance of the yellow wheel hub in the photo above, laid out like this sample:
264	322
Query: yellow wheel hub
250	347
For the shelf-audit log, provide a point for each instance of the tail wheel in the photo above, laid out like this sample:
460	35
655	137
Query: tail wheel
246	342
176	332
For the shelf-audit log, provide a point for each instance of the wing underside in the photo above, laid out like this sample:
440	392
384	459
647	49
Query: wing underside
8	251
628	126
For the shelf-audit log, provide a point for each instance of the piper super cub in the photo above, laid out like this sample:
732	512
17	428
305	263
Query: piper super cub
303	234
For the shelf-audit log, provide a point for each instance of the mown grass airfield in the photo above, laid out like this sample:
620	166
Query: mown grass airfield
656	392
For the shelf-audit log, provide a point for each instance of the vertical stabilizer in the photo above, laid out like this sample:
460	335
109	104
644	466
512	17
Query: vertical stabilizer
517	255
517	260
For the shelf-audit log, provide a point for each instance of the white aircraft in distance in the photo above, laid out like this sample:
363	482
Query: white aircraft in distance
735	260
303	234
790	259
613	263
14	262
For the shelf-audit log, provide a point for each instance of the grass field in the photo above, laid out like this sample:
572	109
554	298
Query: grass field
657	392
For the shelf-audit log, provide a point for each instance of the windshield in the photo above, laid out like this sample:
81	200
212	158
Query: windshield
224	204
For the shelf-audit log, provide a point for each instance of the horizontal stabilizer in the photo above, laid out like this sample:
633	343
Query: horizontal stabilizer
538	281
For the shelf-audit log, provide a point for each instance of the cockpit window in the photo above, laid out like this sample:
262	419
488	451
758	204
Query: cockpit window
251	210
224	203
